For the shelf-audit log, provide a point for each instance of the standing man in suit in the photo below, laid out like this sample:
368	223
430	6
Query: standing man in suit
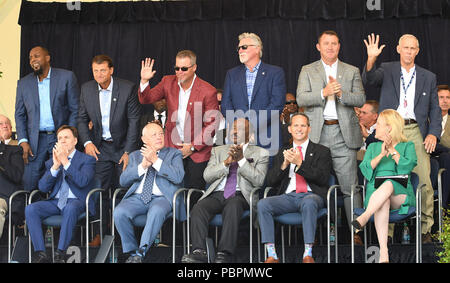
300	172
256	89
69	176
11	170
45	100
154	174
191	110
233	171
411	90
329	89
112	106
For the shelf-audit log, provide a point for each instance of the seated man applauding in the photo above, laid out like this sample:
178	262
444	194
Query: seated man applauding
300	172
153	175
68	177
233	171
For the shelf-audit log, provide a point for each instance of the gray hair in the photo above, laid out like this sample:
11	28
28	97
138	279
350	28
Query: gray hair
408	36
256	40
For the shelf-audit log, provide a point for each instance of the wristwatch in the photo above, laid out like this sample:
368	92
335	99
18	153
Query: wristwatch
192	148
394	153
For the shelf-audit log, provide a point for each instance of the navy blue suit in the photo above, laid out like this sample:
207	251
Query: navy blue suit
269	93
168	180
64	96
80	176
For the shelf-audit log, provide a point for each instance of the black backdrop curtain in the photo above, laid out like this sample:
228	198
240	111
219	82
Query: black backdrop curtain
131	31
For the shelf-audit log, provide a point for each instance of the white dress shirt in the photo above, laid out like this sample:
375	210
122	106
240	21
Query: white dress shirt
163	116
329	112
142	171
183	99
292	187
408	111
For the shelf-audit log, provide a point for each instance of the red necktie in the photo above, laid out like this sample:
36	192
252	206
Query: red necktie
300	182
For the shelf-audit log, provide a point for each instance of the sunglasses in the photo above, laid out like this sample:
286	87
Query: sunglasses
244	47
291	102
184	69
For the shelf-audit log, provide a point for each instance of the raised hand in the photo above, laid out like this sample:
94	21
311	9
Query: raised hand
372	50
147	70
372	46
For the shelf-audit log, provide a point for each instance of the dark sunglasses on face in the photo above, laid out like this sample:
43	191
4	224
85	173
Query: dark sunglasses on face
291	102
184	69
244	47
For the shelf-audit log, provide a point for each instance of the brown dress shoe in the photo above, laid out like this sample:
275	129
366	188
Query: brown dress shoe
308	259
96	242
426	238
271	259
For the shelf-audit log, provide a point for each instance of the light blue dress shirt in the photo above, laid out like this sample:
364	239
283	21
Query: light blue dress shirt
105	109
250	78
55	174
45	110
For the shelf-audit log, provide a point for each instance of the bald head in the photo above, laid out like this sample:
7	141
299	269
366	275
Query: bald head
5	128
153	135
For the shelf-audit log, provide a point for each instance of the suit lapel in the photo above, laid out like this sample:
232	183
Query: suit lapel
114	100
54	80
260	76
35	92
396	79
321	71
309	154
420	80
340	72
96	104
243	83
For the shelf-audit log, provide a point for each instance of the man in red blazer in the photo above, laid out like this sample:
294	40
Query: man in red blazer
192	112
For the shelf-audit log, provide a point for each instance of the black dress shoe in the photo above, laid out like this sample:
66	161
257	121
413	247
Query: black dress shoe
60	257
223	257
197	256
356	224
40	257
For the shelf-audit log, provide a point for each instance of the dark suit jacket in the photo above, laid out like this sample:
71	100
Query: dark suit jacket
123	119
426	103
11	171
269	93
80	177
64	96
203	97
316	169
168	178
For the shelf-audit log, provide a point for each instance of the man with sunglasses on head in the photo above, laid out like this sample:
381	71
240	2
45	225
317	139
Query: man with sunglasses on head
255	87
188	99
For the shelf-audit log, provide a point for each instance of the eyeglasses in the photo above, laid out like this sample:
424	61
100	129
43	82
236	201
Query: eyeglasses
291	102
184	69
244	47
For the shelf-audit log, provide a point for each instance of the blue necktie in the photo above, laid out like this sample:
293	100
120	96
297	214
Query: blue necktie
63	192
147	189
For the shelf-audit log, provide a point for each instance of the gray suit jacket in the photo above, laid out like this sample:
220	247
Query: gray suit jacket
249	176
312	80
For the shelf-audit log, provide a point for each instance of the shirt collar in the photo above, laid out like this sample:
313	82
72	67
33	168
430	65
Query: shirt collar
156	113
411	71
7	141
48	75
192	84
72	154
304	145
334	65
255	69
109	88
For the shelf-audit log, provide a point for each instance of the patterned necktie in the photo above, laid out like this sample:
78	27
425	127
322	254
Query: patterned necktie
147	189
230	185
300	182
63	191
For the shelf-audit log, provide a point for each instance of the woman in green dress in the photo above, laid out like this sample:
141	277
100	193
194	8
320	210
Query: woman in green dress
394	155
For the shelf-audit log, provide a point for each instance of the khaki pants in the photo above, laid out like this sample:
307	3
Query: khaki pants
3	210
423	168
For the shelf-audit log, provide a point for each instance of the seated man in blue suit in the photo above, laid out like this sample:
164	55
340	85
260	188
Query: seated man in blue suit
300	172
68	177
153	175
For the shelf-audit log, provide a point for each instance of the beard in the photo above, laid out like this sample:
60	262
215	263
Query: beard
38	72
243	58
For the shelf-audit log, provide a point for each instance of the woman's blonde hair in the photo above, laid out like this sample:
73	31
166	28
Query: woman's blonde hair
395	120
